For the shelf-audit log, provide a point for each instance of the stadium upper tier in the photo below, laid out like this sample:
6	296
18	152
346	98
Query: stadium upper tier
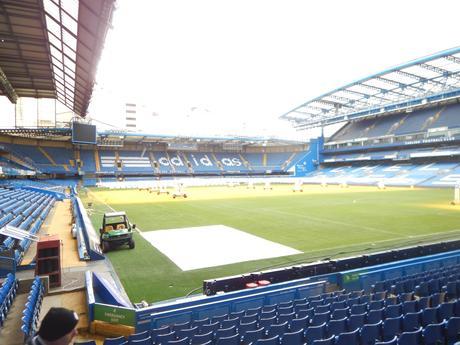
428	80
73	161
426	120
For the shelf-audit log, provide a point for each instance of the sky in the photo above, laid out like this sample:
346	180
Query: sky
234	67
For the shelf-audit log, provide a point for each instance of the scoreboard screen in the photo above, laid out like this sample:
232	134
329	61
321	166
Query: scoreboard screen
83	133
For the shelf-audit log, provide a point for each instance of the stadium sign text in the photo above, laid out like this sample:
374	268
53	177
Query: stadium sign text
427	141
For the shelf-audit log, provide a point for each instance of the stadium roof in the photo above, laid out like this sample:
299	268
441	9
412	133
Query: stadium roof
430	79
50	48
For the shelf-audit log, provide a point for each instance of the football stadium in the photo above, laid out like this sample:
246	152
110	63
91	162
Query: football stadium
349	237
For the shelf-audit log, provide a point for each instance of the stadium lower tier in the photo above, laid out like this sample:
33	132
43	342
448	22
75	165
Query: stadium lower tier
434	174
422	308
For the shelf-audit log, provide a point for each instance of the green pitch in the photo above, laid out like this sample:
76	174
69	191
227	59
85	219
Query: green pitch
321	222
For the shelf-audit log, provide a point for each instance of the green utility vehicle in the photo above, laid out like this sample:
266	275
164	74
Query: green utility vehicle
116	231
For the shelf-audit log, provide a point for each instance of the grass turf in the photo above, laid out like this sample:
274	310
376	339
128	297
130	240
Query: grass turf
320	222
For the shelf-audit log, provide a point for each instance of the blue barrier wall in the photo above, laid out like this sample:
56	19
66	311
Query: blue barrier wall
229	302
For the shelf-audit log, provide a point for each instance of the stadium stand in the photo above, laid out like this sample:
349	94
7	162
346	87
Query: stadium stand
403	296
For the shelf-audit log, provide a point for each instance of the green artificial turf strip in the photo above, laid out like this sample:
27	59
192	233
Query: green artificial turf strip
320	225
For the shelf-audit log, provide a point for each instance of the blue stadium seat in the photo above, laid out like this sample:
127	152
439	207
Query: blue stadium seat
199	339
209	327
405	296
445	310
225	332
358	308
156	331
340	313
314	333
219	318
229	340
391	327
393	341
267	314
327	341
374	316
370	333
182	325
140	335
410	307
391	300
451	289
338	305
269	307
234	321
249	318
305	312
293	338
266	323
319	319
277	329
164	338
285	309
412	321
299	323
286	317
299	301
237	314
252	336
268	341
434	334
393	310
187	332
378	296
353	301
411	338
115	341
244	327
145	341
378	304
356	321
335	327
315	303
453	329
364	299
348	338
437	298
422	290
301	306
183	341
429	315
457	308
253	311
286	304
320	309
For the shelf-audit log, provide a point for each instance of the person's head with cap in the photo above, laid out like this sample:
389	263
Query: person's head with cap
58	327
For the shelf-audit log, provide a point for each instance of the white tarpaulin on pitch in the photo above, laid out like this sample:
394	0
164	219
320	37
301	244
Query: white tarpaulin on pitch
214	245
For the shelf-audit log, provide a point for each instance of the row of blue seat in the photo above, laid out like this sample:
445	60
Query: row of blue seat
30	218
410	282
32	308
8	292
387	332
